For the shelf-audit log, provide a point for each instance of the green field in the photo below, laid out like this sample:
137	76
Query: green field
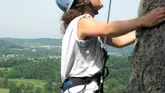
2	68
5	69
36	83
4	90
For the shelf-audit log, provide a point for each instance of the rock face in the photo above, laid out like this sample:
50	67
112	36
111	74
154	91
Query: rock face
148	58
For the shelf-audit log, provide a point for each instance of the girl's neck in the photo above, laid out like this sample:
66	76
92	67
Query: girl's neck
92	13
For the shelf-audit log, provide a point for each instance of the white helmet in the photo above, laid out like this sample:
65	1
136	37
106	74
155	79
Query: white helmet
65	5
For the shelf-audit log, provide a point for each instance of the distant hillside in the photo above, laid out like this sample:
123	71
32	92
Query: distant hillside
126	50
39	41
48	41
5	47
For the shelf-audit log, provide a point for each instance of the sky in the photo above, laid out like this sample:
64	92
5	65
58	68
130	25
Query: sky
41	18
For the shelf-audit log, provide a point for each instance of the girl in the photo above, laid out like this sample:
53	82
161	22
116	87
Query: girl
81	60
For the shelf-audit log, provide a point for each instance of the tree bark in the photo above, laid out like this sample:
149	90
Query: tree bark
148	58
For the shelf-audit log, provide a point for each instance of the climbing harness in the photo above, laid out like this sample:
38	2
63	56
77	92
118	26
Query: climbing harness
75	81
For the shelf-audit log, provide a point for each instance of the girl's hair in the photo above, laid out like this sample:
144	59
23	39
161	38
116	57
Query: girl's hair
78	8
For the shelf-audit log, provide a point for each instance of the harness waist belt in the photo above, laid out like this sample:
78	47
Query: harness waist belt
75	81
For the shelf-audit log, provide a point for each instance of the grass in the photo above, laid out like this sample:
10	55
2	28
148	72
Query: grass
36	83
2	68
2	90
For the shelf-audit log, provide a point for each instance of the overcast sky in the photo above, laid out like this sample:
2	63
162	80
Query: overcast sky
41	18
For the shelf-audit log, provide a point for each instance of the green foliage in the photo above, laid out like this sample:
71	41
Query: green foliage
38	90
4	83
1	73
52	86
12	62
24	88
33	62
43	70
14	88
118	89
49	69
28	88
119	72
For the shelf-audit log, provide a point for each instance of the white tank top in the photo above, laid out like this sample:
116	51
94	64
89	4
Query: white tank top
80	57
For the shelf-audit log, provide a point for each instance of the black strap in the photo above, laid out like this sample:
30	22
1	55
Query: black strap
105	68
104	72
75	81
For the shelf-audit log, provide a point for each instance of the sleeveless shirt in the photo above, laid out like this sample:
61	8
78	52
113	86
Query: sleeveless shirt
80	58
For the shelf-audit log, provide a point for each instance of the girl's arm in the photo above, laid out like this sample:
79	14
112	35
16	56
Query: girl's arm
122	41
88	27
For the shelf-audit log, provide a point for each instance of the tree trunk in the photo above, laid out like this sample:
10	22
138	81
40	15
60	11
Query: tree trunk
148	59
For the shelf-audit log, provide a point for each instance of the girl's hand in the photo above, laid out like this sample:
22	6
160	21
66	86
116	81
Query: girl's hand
154	17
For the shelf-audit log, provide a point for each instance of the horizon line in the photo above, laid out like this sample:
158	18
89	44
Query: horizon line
29	38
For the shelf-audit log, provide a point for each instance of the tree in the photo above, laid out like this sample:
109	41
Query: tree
38	90
4	83
29	88
14	88
148	62
1	73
